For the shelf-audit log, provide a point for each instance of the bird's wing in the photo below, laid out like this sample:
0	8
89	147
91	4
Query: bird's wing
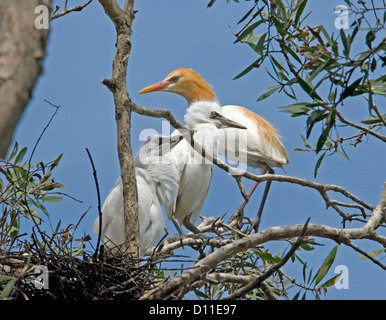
259	143
113	205
179	157
150	216
193	190
196	212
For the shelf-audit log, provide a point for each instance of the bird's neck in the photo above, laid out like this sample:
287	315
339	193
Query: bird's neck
199	92
207	136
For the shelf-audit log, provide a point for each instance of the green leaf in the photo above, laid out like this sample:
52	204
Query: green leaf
13	152
38	205
299	10
267	94
292	53
374	120
331	281
52	199
266	256
318	163
260	44
8	289
249	68
305	142
346	43
373	253
349	91
246	15
297	109
249	12
308	88
326	265
248	30
200	294
322	138
20	155
315	116
370	37
56	162
211	3
322	66
326	131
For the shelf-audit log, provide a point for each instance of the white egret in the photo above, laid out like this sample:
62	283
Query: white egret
261	144
195	171
157	185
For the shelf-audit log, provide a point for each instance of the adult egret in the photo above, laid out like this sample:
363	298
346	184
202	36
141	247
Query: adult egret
261	144
195	171
157	185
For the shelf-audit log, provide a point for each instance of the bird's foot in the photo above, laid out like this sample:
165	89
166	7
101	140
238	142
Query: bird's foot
236	220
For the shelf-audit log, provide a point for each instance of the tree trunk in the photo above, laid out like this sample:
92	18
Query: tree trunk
22	49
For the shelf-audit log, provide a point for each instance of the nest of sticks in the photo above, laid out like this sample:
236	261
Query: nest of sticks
31	273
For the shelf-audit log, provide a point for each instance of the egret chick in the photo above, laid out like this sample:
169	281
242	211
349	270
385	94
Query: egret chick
157	185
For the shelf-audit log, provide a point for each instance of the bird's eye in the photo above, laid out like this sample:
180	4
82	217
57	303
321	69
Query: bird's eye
214	114
174	79
158	141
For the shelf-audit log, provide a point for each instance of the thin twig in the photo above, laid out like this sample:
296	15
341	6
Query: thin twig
67	11
99	203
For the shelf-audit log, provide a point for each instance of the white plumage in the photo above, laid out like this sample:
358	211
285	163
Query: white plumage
196	172
157	185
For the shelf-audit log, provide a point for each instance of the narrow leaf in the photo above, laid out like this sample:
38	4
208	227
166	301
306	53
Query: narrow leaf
14	150
8	289
350	89
373	253
322	139
308	88
248	30
300	7
51	198
20	155
260	44
318	163
267	94
249	68
331	281
326	265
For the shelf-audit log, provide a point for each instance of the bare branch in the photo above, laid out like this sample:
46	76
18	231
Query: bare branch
67	11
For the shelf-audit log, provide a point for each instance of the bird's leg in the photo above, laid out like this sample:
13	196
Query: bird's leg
191	227
256	222
179	229
239	213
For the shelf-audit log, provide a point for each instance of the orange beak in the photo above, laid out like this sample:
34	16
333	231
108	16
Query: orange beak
156	87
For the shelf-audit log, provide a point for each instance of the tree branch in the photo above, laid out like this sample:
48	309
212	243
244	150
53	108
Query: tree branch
271	234
123	20
67	11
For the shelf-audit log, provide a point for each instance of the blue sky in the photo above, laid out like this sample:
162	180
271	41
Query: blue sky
183	33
